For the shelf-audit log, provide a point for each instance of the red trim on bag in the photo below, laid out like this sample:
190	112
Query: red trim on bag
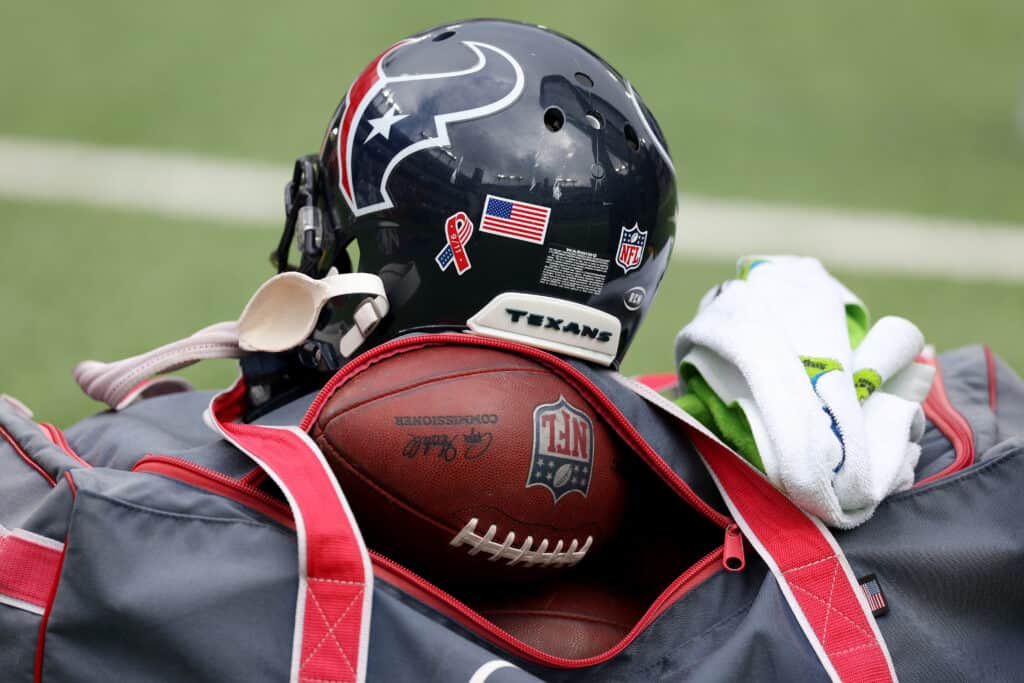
450	606
335	576
659	381
25	456
57	437
41	640
71	484
939	409
253	477
601	403
993	385
229	407
215	482
28	568
807	562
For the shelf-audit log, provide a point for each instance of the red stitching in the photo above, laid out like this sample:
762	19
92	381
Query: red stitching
810	564
849	649
840	612
331	627
828	613
829	608
349	583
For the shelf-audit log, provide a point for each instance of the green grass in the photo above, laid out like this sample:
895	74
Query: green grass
878	105
906	106
85	283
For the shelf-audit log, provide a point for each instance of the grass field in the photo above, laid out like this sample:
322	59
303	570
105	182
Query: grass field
866	106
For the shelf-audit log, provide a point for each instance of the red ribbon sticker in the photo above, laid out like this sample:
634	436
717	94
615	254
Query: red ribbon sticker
458	230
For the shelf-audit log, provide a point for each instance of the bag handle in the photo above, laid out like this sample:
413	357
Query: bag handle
332	611
807	562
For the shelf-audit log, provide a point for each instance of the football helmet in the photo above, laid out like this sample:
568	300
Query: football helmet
498	177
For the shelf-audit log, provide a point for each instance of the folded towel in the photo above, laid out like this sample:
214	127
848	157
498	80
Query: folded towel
773	355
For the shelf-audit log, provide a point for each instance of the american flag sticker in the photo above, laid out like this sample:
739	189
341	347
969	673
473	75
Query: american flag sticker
873	592
518	220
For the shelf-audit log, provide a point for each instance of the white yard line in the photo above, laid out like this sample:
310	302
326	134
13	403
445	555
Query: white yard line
848	240
246	192
158	182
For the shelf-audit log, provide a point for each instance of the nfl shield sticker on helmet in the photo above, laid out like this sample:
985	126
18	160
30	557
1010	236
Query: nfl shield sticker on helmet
630	252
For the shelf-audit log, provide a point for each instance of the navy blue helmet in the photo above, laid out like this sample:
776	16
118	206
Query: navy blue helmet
498	177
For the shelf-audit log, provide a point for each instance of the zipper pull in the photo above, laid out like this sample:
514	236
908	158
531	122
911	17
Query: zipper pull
733	558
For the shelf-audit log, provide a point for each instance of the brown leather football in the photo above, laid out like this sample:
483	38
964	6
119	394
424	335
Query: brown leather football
470	464
571	617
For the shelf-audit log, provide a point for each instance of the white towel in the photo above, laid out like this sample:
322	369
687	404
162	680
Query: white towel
777	344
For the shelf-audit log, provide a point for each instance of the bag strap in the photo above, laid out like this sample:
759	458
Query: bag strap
29	567
332	612
806	561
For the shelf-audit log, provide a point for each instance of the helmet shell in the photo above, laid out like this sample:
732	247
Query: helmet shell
492	156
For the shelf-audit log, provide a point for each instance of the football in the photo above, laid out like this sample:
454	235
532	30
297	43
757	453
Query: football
572	618
469	464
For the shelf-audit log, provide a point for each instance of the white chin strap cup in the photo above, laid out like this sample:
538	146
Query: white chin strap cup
283	312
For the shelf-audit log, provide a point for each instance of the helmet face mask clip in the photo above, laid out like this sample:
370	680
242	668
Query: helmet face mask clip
306	225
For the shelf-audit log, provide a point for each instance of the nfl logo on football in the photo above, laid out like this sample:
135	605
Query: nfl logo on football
630	253
563	449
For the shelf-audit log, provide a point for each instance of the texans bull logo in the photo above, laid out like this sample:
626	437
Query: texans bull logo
420	107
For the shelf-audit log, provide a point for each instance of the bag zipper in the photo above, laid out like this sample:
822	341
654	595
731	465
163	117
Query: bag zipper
729	555
733	557
456	610
216	482
948	420
610	411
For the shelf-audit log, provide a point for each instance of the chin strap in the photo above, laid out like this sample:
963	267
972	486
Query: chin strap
121	383
285	310
282	315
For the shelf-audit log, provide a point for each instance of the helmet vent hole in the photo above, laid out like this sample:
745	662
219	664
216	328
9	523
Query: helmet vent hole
443	36
554	119
631	139
595	120
584	80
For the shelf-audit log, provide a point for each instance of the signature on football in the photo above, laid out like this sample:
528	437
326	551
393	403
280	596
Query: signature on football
448	447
